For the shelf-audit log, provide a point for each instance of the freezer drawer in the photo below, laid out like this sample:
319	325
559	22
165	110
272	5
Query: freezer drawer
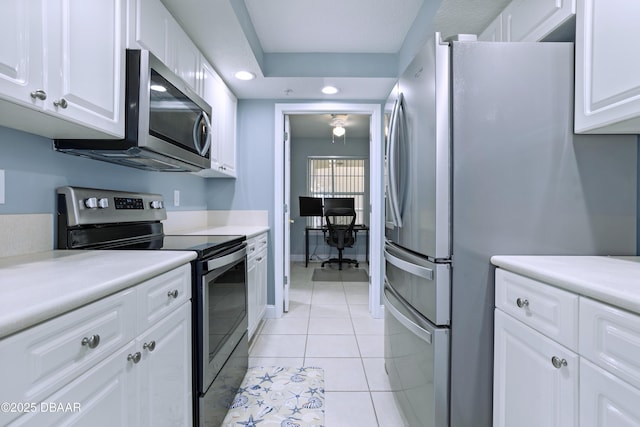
416	356
423	284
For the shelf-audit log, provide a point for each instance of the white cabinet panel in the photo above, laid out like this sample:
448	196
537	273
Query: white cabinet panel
550	310
165	378
256	281
532	20
74	72
223	139
610	338
149	27
526	380
493	33
163	294
605	400
21	58
105	396
38	361
87	70
607	78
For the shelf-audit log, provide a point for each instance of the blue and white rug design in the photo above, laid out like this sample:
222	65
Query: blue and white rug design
277	396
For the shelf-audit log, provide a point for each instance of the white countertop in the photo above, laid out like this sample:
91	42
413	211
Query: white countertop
613	280
40	286
228	230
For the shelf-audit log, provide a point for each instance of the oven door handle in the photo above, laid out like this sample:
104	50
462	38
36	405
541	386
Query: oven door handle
227	259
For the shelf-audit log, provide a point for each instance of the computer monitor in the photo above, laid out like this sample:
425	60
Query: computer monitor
310	206
339	202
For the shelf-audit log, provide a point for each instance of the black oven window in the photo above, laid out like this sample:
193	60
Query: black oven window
227	304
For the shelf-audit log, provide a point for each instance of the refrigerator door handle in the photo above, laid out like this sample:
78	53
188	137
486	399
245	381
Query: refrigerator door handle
416	270
391	163
411	325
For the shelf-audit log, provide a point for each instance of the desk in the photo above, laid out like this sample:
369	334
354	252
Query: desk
356	229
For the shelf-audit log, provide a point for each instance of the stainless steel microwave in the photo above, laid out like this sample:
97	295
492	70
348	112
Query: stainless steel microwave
167	125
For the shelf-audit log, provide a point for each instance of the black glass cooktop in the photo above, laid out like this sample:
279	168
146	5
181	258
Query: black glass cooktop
205	246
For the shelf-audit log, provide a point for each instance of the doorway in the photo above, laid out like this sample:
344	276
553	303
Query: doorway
283	204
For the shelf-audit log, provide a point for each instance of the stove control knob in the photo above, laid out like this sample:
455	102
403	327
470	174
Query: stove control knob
103	203
157	204
91	203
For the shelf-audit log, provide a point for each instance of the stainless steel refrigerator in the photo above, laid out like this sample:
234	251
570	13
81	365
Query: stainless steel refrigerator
482	160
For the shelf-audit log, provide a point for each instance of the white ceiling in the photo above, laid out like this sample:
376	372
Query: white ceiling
295	47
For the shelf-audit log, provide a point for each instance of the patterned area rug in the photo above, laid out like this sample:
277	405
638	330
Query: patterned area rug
277	396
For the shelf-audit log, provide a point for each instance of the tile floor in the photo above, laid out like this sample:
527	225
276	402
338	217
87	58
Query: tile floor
328	325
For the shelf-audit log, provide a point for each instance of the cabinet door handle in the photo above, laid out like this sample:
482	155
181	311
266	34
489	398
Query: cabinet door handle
151	345
522	302
135	357
557	362
39	94
173	293
92	341
62	103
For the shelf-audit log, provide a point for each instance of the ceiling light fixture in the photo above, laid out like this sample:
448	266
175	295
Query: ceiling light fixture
338	121
330	90
245	75
158	88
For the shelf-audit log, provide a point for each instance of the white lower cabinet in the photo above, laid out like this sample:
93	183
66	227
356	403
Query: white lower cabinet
540	381
606	400
535	378
103	364
256	281
165	372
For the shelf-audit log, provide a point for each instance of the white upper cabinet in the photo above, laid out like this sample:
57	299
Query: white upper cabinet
152	27
529	20
607	63
532	20
21	58
223	121
64	58
493	33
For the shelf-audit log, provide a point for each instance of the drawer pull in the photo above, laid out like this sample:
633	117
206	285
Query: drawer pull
135	357
39	94
62	103
92	341
151	345
173	293
558	363
522	302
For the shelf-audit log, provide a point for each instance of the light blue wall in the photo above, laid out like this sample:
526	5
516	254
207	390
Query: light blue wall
301	149
33	171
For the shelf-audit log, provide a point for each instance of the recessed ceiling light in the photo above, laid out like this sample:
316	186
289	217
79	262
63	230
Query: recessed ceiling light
158	88
330	90
245	75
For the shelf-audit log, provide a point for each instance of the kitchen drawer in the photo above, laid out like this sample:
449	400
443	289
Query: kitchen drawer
40	360
256	244
549	310
159	296
610	338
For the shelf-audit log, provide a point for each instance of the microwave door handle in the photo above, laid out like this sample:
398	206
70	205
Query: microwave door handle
196	141
207	123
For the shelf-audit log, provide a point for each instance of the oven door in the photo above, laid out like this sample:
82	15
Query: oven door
222	307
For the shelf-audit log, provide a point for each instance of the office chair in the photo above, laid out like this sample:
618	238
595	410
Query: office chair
340	235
